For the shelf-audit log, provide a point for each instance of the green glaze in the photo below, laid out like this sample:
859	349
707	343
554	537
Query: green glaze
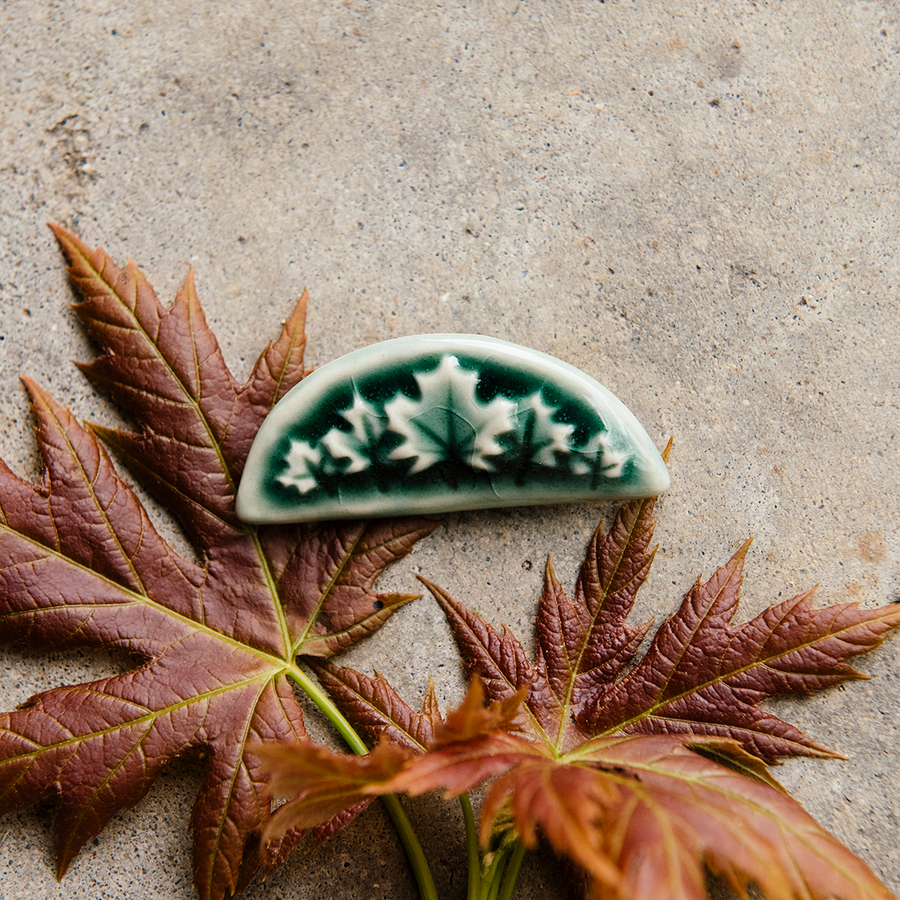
443	422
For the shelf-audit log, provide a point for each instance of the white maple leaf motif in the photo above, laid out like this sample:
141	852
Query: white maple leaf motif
547	437
449	422
298	474
599	447
367	427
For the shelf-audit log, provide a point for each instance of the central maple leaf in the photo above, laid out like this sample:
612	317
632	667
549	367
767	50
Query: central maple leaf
82	565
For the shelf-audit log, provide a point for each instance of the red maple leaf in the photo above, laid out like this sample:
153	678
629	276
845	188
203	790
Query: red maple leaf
645	771
82	565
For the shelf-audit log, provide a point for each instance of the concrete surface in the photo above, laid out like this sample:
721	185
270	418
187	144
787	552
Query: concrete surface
694	202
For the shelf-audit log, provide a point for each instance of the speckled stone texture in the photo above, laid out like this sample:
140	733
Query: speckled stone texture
695	203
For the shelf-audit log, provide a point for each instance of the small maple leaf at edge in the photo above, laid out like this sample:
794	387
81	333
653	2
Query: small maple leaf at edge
81	565
645	771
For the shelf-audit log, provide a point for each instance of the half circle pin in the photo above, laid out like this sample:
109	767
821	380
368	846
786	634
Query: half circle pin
443	422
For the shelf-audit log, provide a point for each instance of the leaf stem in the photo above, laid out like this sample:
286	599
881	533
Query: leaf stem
494	874
329	710
474	857
414	852
511	873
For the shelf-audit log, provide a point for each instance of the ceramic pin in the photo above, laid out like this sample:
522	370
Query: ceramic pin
442	422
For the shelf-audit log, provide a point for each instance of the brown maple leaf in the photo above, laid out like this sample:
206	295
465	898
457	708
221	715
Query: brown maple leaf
645	771
81	565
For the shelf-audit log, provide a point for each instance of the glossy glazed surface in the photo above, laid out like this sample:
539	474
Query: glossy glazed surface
436	423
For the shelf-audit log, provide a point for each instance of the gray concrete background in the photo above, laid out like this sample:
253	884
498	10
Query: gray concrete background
696	203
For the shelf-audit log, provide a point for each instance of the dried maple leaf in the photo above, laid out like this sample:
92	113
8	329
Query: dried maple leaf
647	771
82	565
